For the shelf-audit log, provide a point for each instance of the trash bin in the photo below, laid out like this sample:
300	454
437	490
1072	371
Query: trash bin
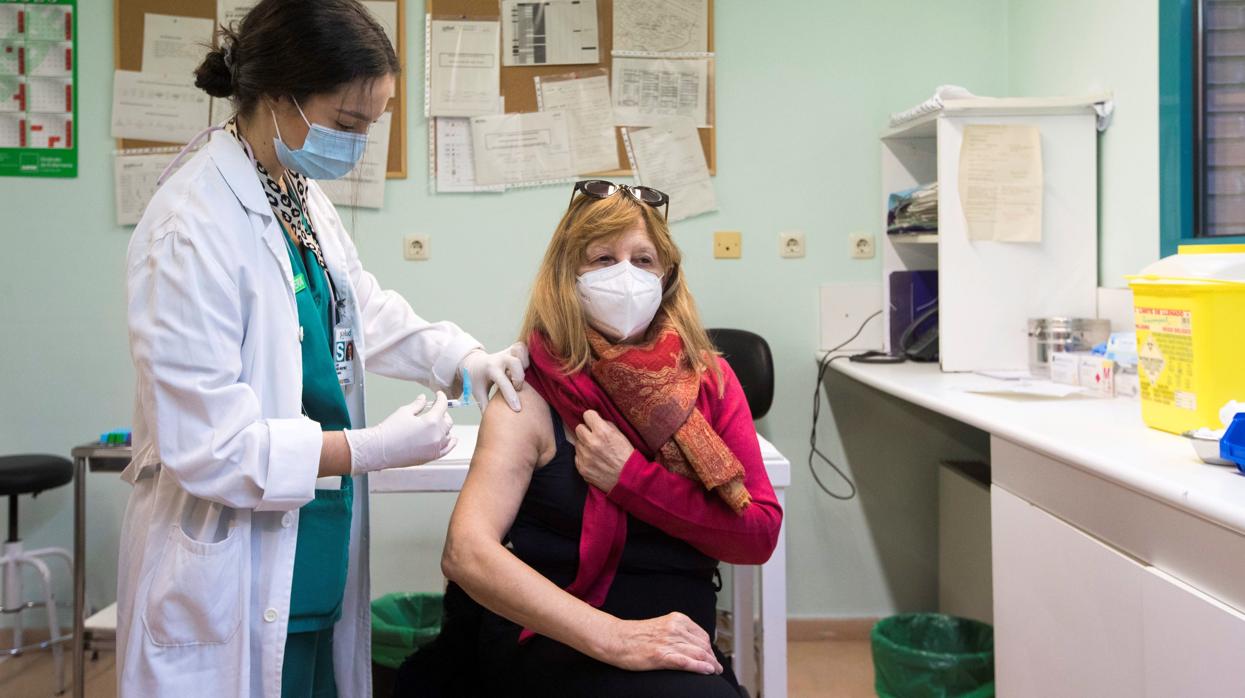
931	655
403	622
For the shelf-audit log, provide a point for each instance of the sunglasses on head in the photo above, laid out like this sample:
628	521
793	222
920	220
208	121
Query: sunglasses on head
601	189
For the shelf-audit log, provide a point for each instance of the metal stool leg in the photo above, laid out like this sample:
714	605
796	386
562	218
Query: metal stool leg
12	601
54	629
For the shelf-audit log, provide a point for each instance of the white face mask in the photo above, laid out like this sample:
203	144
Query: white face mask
620	300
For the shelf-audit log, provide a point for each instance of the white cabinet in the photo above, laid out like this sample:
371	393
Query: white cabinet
1074	616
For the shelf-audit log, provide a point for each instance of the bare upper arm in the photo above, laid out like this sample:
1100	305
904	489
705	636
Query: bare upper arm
510	446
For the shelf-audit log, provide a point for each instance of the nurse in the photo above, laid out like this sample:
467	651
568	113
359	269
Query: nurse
244	565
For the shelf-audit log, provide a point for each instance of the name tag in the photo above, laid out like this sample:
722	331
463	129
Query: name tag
343	354
300	283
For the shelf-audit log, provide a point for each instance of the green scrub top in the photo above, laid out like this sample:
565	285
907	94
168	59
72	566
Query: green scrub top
322	552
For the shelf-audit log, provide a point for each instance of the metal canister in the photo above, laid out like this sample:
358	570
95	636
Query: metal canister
1050	335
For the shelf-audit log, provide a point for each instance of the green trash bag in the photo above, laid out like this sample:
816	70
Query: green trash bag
402	623
930	655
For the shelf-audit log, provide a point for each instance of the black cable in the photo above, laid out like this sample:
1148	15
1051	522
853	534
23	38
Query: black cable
822	366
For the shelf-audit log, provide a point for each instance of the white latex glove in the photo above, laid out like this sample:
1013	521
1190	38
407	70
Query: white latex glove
406	437
503	369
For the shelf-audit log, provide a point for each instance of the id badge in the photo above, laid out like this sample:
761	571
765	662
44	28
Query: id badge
343	354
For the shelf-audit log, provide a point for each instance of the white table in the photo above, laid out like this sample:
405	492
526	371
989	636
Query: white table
448	474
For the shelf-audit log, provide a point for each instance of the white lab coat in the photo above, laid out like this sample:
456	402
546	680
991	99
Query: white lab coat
223	458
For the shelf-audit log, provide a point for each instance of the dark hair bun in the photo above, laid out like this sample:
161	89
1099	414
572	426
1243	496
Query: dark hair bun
213	76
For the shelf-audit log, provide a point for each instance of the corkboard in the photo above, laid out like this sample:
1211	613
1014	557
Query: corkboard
128	18
518	84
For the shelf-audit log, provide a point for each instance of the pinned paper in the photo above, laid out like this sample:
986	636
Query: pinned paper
364	186
661	26
1001	182
519	149
175	45
670	158
586	100
464	71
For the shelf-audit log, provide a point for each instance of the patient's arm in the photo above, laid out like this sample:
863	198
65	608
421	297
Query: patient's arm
510	446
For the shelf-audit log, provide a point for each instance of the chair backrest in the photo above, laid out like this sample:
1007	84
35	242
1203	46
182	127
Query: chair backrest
749	356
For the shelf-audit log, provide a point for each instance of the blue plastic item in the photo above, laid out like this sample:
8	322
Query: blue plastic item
1232	444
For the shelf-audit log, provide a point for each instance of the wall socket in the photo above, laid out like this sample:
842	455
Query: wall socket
791	244
862	246
727	245
416	248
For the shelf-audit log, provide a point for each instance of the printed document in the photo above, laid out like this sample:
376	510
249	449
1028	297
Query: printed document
661	26
1001	182
670	158
134	178
549	32
521	148
175	45
647	89
157	107
464	73
364	186
455	161
586	101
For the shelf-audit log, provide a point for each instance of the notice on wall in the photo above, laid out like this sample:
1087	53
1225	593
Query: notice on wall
175	45
549	32
669	157
364	186
586	101
135	175
521	149
156	107
661	26
647	90
38	89
464	70
1001	182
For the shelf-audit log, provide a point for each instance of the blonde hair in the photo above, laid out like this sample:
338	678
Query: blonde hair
554	309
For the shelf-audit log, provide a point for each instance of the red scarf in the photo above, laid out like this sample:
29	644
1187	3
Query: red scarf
648	393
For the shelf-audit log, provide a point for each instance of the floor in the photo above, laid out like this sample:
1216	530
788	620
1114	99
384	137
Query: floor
829	668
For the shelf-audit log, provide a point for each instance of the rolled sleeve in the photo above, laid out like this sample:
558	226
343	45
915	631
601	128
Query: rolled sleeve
293	464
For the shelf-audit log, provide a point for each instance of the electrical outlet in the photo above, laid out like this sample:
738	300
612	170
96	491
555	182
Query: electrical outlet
791	245
727	245
862	246
416	248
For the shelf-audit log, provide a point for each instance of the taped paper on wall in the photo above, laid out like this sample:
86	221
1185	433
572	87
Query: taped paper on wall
135	174
521	148
175	45
586	101
455	163
646	90
1001	182
549	32
670	158
464	74
230	12
157	108
661	26
364	186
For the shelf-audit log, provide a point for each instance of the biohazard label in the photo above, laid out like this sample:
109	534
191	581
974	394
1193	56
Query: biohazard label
1165	356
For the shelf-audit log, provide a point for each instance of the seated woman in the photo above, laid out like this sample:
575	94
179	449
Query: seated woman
592	522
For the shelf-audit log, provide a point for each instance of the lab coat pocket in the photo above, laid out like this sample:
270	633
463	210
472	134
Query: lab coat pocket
195	596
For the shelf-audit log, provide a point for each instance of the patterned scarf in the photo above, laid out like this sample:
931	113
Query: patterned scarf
289	209
650	396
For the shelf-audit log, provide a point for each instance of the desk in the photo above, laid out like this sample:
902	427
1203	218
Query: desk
448	474
86	458
1119	557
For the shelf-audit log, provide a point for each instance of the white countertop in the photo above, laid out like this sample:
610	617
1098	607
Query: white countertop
1105	437
448	473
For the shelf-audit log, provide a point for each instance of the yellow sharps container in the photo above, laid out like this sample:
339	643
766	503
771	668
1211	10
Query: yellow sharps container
1190	315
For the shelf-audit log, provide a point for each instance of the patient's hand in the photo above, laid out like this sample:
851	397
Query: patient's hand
601	451
672	641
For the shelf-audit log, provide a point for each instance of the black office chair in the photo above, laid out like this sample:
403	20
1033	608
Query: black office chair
749	356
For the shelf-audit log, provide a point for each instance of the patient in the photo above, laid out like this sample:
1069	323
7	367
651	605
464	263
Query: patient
592	522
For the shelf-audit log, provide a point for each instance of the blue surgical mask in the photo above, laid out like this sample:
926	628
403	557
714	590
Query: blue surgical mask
326	153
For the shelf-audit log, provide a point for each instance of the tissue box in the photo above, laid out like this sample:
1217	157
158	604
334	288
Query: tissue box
1097	374
1065	367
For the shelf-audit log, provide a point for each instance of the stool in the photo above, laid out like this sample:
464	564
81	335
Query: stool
31	474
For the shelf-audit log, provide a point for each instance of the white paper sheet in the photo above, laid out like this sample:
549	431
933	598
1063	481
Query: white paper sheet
594	147
661	26
134	178
646	90
157	108
364	186
175	45
669	157
230	12
549	32
464	72
455	163
521	148
1001	182
386	13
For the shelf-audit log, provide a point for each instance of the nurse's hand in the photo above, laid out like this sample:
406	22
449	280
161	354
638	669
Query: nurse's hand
406	437
601	451
672	641
503	369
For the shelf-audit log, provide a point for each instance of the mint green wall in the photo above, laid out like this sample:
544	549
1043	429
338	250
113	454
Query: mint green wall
1062	47
803	88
